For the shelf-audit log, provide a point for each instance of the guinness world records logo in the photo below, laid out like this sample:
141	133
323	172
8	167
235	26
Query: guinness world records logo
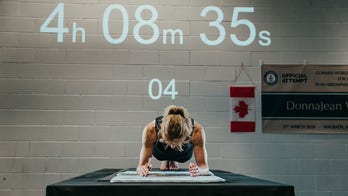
270	78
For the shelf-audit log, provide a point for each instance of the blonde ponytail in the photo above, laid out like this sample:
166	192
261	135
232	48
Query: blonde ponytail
176	125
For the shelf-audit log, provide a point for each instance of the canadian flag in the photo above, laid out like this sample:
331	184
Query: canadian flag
242	108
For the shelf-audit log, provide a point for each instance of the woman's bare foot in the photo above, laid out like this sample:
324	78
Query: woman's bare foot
173	165
164	165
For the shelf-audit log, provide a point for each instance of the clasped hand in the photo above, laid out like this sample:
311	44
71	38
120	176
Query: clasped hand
144	170
196	171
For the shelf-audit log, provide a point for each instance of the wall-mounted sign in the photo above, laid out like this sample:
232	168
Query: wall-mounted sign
305	98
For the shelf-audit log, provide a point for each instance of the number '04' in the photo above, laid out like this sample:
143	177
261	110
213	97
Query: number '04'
169	90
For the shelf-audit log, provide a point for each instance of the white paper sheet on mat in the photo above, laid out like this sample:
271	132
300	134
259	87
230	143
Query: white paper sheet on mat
164	176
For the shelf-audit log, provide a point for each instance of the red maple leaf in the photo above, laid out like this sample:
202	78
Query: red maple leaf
241	109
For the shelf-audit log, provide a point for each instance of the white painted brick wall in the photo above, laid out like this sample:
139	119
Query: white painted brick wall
71	108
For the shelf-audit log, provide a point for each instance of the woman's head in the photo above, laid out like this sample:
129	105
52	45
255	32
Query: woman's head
176	126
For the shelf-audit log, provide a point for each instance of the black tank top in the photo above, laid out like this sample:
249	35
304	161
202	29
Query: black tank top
162	153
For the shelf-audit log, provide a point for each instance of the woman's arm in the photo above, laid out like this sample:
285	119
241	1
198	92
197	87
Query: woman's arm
148	139
200	152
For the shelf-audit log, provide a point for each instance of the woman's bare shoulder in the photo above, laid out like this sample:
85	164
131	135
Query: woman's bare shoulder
150	134
198	133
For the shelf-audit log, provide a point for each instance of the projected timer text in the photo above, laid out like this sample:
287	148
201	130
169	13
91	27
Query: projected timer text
174	35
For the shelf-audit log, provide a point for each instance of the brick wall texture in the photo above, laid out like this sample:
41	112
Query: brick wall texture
79	105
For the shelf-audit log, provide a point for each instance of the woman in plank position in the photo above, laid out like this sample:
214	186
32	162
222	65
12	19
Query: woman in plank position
171	138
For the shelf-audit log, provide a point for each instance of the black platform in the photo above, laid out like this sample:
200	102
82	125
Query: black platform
236	185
